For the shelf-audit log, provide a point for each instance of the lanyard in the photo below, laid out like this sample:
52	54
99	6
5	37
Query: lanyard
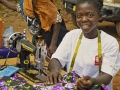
99	52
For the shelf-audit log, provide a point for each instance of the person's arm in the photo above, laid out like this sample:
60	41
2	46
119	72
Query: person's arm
53	44
54	76
110	66
54	65
86	81
56	30
9	5
58	61
103	79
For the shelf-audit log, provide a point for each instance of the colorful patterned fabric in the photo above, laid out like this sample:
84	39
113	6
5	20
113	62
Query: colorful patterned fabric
68	83
14	83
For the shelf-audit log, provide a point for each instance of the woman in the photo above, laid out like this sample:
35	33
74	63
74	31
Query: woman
87	50
43	19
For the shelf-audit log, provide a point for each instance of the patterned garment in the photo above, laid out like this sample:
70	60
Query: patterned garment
34	24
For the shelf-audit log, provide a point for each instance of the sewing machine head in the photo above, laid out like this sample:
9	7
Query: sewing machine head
17	40
24	48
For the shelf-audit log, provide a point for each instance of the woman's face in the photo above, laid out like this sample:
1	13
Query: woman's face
87	17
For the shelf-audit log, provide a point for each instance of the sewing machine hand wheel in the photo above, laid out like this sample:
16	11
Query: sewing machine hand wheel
12	41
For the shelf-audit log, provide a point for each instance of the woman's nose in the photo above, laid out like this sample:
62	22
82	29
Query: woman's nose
84	18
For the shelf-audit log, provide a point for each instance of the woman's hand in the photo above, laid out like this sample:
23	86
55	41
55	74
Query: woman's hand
53	77
84	83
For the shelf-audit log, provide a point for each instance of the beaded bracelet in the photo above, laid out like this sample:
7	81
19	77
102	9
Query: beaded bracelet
18	8
58	18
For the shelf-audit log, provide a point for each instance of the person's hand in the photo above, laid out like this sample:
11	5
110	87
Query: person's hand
84	83
51	49
53	77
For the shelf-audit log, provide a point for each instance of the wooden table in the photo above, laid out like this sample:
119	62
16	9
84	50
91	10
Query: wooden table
13	61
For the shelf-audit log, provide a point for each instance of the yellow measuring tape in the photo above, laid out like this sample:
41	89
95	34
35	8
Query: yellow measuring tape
99	52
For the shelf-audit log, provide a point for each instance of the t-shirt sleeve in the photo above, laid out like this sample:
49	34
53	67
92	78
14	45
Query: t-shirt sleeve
111	60
62	52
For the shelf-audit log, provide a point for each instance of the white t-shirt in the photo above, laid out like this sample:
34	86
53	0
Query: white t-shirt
87	54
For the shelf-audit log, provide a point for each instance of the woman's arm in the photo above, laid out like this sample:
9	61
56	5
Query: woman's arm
9	5
56	30
104	79
53	44
86	81
54	65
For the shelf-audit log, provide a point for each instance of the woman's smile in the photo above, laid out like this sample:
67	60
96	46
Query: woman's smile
85	26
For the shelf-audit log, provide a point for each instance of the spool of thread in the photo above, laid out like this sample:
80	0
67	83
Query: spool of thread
0	33
24	33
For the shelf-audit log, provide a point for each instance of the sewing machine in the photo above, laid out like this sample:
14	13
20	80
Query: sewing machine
24	48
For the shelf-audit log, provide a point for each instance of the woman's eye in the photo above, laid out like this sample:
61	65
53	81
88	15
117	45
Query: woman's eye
78	16
90	15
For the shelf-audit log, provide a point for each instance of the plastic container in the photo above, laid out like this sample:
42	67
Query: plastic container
0	33
6	35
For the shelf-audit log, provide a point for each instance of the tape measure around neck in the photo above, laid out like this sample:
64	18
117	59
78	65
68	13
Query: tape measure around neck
99	52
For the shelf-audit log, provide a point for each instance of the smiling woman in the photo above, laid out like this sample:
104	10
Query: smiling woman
87	17
87	50
11	18
110	12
